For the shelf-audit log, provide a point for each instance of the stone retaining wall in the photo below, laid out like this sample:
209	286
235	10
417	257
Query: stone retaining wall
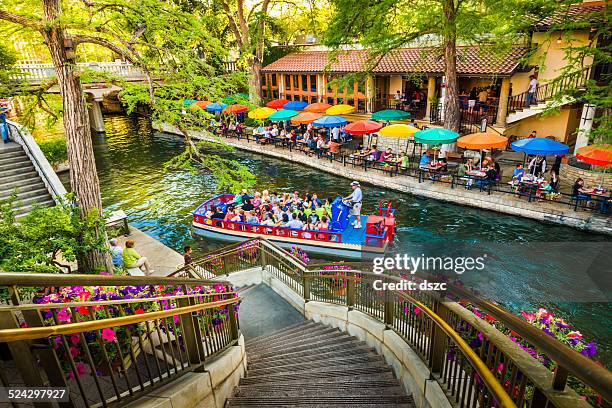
591	179
503	203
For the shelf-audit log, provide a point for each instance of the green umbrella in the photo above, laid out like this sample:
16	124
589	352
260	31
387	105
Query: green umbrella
436	136
282	115
188	102
391	114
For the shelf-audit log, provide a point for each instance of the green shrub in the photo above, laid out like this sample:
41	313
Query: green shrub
54	150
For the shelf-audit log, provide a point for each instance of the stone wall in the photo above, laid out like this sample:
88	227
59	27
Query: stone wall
591	178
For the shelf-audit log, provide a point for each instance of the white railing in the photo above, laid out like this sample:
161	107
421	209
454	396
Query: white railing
40	72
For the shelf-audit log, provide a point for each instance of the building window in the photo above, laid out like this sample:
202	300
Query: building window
313	83
304	82
288	82
273	77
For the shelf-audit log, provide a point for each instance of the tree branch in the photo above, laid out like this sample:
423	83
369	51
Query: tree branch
232	23
92	39
20	19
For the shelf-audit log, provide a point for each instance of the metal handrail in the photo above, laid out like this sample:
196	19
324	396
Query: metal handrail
51	279
33	333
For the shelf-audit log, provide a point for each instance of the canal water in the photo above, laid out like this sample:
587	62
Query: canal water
528	264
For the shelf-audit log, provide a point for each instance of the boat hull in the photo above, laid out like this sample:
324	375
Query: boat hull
351	251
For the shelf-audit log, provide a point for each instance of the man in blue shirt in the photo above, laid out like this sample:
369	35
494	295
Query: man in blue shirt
424	160
355	198
116	253
4	131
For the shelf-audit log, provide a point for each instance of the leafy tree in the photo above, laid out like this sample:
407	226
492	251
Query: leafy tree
7	69
35	243
438	25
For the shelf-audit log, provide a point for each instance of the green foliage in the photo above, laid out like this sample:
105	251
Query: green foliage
54	150
32	244
8	59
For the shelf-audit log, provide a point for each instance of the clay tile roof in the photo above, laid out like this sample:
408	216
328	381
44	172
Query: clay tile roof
581	12
470	61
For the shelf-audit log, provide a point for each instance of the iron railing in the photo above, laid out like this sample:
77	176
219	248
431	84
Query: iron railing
109	339
549	90
486	372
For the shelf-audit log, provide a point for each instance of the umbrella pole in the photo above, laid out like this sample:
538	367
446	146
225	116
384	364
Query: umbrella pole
603	175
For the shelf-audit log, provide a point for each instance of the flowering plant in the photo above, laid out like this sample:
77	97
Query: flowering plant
300	254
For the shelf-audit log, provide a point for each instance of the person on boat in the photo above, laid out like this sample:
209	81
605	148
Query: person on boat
355	199
323	224
310	226
295	223
132	259
218	215
315	200
229	214
284	219
238	216
268	221
247	204
256	201
250	218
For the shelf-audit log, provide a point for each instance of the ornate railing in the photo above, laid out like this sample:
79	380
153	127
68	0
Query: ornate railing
489	371
110	339
36	73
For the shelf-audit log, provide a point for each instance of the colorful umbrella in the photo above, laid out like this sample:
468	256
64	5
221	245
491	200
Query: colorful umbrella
330	121
398	130
305	118
234	109
319	107
436	136
277	103
295	105
391	114
189	102
362	127
282	115
340	110
540	145
479	141
261	113
597	155
201	104
216	107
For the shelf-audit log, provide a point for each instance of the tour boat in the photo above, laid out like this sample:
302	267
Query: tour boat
341	239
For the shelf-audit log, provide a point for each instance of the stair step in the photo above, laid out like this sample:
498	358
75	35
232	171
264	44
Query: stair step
23	211
315	365
288	393
318	373
23	193
6	189
320	401
16	165
24	202
305	356
366	383
14	158
278	351
286	331
295	338
346	380
6	150
16	171
22	176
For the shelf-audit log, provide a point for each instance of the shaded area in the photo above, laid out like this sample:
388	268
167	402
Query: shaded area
263	311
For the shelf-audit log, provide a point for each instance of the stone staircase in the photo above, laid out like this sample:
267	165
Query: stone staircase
312	365
18	175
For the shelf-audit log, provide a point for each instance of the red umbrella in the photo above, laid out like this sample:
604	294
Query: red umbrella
597	155
363	127
237	108
277	103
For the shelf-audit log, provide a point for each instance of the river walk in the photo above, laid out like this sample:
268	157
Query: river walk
503	203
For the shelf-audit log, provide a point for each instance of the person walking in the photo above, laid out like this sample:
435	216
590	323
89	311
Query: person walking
531	90
355	198
4	130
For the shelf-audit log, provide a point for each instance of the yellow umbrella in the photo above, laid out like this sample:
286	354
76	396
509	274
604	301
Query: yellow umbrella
398	130
261	113
340	110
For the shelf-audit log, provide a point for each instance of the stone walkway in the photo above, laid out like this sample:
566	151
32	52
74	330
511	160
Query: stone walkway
163	259
504	203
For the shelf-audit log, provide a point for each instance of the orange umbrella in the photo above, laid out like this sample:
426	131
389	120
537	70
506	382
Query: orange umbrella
319	107
277	103
479	141
597	155
201	104
305	118
237	108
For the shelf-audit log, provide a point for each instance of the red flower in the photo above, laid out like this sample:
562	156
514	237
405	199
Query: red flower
139	311
489	318
83	310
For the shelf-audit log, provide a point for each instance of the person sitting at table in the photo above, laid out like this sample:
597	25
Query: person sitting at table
462	172
374	154
533	134
578	191
320	145
413	124
258	132
404	161
386	155
554	180
424	160
274	132
292	136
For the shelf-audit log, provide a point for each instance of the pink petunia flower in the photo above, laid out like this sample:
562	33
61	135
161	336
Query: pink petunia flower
530	317
81	369
109	335
575	335
74	352
63	316
417	311
75	338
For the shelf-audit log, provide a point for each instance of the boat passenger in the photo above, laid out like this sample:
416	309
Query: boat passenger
355	198
307	208
239	197
230	214
314	218
284	219
315	199
265	195
310	226
256	201
218	215
323	224
295	223
250	218
238	217
247	205
268	221
319	210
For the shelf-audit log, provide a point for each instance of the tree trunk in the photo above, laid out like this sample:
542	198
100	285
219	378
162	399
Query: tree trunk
452	114
83	176
255	66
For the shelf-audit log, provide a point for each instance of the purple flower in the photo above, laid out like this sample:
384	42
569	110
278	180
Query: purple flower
545	330
589	350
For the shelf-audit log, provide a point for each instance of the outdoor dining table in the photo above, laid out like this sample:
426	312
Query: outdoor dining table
435	169
478	175
531	185
603	197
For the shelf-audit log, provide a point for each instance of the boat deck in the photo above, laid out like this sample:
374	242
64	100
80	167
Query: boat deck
355	236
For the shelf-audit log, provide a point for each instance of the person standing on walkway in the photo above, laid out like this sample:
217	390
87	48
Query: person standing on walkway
531	90
132	259
355	199
4	131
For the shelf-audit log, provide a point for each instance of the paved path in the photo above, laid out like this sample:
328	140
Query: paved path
504	203
263	311
163	259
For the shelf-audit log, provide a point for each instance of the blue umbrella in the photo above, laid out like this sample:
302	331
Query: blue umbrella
541	146
216	107
295	105
330	121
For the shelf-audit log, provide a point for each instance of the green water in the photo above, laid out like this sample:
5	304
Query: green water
529	264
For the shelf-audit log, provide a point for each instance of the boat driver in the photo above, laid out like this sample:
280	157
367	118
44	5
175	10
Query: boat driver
355	199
